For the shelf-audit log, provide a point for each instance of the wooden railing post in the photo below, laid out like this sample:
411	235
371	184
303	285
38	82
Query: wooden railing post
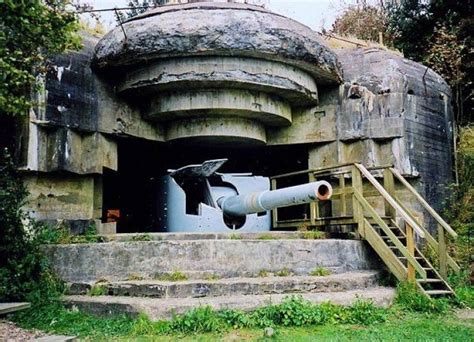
389	185
273	186
313	206
357	211
443	256
411	275
342	186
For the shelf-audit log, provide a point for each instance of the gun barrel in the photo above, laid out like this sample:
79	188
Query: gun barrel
242	205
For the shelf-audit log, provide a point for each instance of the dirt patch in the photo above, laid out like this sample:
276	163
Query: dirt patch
10	332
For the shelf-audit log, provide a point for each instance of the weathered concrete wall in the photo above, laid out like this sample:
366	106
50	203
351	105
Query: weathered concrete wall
118	261
55	197
77	115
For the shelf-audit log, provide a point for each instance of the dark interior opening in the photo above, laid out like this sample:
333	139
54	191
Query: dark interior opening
131	190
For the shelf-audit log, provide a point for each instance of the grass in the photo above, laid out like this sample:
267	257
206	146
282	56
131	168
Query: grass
141	237
314	235
235	237
267	236
135	276
283	273
320	272
97	290
212	276
173	276
294	320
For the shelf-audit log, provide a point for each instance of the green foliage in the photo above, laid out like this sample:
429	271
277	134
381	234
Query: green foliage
54	318
410	299
283	273
235	237
459	205
135	276
320	272
461	284
24	273
173	276
263	273
361	321
61	234
294	311
31	30
314	235
438	33
364	312
97	290
142	237
137	7
199	320
267	236
213	276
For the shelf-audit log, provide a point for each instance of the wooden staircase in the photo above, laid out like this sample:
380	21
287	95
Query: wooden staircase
394	235
433	285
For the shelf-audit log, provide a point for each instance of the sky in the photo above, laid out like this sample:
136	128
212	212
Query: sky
313	13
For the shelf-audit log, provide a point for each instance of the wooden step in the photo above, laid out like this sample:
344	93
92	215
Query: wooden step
429	280
438	292
388	238
416	257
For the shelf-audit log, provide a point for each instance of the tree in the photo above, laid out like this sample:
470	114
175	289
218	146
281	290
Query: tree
438	33
137	7
29	32
364	20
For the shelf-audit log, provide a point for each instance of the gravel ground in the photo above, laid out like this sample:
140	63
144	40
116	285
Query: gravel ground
10	332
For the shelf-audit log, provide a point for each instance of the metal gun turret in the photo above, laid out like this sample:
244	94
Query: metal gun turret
196	198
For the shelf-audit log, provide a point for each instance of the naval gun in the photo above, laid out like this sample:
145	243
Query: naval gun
196	198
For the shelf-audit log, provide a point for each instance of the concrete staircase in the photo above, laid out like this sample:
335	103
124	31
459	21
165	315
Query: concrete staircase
216	270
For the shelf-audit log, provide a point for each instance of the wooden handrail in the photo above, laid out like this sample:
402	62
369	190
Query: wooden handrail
328	168
425	204
430	239
390	199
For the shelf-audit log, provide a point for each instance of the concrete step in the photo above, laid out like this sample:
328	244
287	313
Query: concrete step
225	258
235	286
159	308
6	308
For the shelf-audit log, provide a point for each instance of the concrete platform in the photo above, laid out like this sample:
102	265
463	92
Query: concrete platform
158	309
119	261
235	286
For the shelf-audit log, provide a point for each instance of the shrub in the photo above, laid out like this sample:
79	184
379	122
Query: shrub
365	312
24	274
200	320
409	298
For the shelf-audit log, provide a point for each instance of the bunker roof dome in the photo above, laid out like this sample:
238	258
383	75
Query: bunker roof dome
216	29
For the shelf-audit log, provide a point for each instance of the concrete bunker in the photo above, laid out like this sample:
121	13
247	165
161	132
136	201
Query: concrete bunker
231	81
